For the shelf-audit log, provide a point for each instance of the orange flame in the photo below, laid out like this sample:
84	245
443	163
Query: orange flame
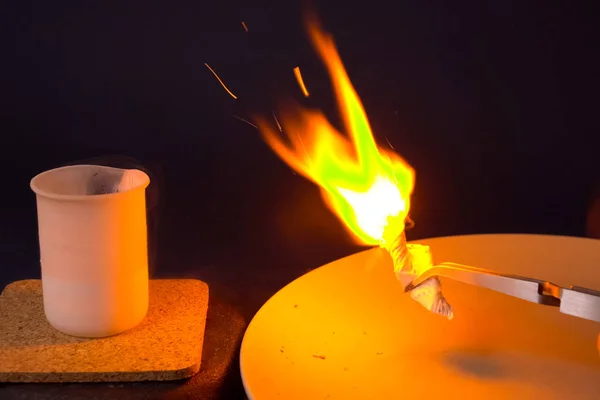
367	187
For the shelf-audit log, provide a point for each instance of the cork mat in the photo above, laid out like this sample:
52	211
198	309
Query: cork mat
167	345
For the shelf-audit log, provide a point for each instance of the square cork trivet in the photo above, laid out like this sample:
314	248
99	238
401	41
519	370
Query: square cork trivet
167	345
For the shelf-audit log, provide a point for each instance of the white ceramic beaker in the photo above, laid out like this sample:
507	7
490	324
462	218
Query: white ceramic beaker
93	248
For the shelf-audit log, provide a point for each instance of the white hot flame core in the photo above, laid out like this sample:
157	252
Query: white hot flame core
388	200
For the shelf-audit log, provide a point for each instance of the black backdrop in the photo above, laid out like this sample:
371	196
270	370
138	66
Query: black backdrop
495	104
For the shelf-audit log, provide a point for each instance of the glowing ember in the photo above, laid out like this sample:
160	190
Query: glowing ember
367	187
300	81
220	81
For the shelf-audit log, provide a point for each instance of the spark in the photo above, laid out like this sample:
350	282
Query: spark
390	143
246	121
299	137
300	81
220	81
277	122
245	26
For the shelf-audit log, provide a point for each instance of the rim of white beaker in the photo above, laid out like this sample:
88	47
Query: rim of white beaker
73	197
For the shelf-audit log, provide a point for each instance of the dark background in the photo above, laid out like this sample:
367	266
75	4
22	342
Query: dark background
494	103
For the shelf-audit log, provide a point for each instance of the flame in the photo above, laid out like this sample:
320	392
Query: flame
366	186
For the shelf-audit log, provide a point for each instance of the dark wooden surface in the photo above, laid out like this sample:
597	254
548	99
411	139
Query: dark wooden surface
494	104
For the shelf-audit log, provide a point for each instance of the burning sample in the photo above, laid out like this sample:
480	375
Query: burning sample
367	187
410	260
